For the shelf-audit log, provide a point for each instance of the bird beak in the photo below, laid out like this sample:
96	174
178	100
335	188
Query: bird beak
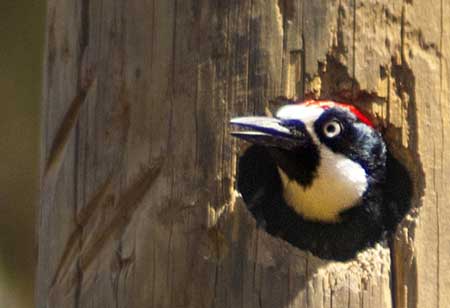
266	131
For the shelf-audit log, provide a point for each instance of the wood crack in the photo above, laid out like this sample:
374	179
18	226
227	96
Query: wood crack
83	251
78	286
128	203
354	88
84	33
441	103
249	54
62	137
73	244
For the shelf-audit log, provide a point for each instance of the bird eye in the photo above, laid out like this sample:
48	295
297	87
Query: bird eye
332	129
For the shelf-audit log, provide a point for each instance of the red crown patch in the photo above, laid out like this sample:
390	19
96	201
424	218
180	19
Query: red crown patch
330	104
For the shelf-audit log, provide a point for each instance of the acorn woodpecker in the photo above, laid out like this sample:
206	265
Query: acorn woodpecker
319	176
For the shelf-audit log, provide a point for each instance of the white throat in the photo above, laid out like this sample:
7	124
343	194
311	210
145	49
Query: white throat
339	182
338	185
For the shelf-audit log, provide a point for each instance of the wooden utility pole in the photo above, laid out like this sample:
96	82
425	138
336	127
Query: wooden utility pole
138	207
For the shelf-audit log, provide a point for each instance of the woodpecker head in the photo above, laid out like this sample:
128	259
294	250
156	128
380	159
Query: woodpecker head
327	155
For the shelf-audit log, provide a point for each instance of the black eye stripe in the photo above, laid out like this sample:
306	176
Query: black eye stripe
331	126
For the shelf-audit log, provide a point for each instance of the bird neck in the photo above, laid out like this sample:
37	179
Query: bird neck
339	184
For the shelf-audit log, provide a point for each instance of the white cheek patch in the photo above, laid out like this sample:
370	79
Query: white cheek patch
339	182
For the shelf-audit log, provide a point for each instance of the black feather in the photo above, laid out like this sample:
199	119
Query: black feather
382	207
397	193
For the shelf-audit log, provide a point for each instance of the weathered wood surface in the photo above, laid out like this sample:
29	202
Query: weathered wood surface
138	207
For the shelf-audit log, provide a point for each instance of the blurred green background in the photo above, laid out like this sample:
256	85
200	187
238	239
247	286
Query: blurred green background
22	27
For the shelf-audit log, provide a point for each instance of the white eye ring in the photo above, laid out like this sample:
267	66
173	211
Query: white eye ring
332	128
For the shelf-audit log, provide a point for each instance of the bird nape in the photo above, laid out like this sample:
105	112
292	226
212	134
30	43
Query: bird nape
319	176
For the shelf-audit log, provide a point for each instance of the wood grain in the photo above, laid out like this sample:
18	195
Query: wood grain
142	212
